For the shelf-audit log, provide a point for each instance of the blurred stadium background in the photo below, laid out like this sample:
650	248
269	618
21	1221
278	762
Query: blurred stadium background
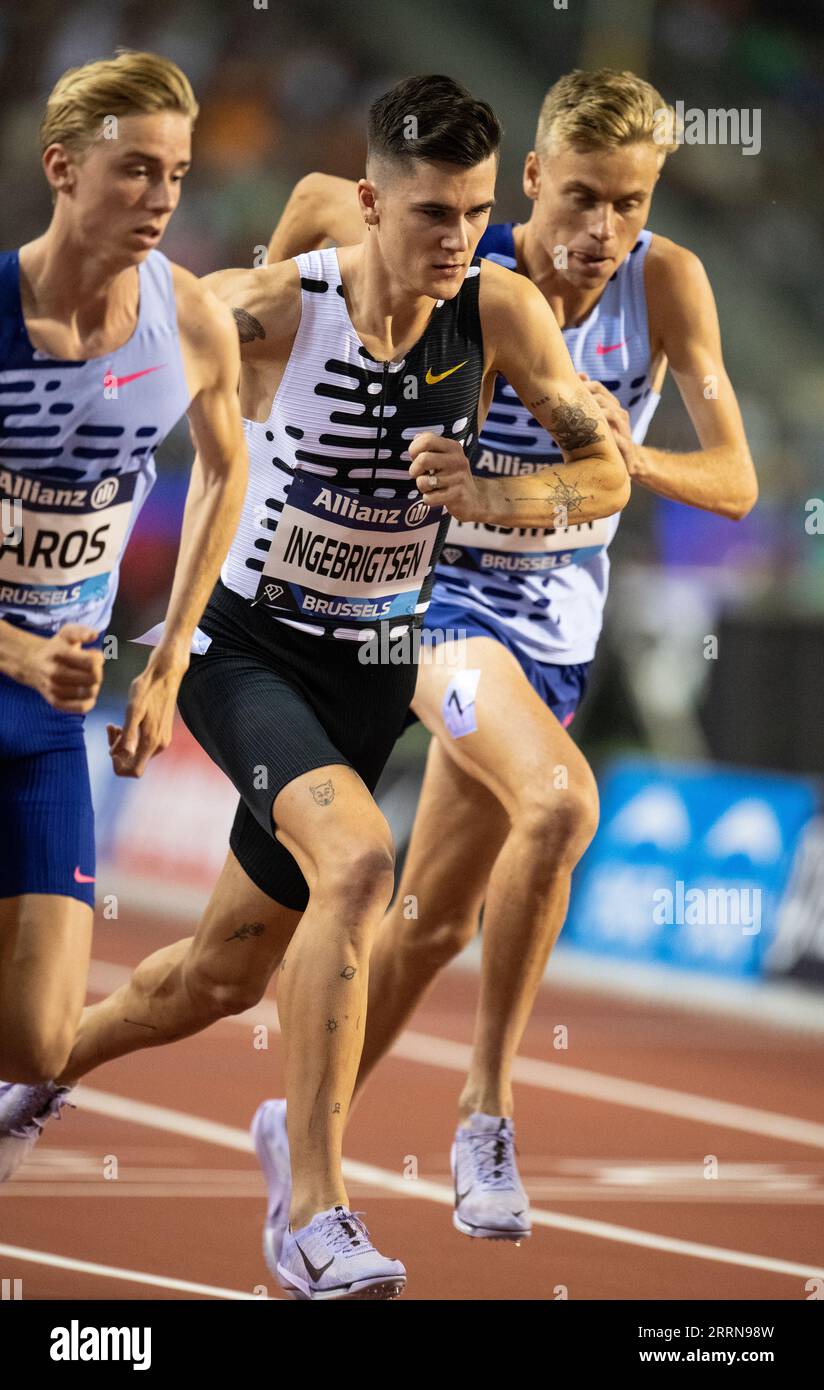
708	764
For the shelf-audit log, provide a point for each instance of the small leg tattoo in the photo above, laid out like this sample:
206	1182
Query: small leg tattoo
248	929
336	1108
323	793
348	972
331	1025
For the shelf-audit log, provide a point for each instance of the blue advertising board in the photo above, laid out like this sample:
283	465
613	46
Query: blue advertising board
689	865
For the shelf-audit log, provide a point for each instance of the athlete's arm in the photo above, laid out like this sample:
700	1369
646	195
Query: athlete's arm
321	208
213	503
58	667
525	345
719	476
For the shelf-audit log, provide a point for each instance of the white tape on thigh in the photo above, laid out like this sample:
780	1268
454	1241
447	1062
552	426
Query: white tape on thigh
458	708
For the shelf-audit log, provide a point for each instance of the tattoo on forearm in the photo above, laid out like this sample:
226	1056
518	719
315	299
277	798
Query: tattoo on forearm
247	929
331	1025
564	498
138	1024
323	793
248	327
348	972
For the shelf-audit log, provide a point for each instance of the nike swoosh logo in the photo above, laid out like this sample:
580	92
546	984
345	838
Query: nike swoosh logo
81	878
433	380
601	349
110	380
459	1196
312	1271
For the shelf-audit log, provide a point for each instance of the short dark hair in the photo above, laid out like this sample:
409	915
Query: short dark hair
432	118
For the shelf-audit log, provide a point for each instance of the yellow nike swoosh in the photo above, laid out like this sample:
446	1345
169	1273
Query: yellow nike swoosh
433	380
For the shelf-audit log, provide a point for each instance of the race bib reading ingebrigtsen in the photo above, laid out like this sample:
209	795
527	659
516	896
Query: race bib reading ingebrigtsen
338	555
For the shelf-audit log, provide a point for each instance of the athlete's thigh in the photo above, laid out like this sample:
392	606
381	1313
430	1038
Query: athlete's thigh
516	738
243	933
45	943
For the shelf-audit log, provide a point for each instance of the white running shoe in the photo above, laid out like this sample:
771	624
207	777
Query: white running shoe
333	1257
24	1111
490	1200
272	1148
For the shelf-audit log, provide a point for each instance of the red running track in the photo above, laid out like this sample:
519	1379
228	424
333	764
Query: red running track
643	1186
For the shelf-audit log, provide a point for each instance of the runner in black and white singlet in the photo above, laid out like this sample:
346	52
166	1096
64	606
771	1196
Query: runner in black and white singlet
104	345
509	804
364	373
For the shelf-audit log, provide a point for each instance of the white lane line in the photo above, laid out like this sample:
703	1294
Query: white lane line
553	1076
211	1132
128	1276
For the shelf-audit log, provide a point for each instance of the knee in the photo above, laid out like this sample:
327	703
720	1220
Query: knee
361	875
444	935
39	1057
561	821
215	997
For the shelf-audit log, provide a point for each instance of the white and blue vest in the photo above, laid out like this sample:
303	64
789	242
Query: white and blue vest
547	587
77	445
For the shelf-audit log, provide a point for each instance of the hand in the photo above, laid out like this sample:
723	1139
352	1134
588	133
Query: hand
147	728
444	462
66	675
618	421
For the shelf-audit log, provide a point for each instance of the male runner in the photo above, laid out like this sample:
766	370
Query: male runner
509	805
103	346
360	368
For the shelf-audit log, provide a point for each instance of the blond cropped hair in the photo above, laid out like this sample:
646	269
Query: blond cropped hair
130	83
604	110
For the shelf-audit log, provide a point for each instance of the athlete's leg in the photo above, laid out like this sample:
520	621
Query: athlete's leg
45	941
458	831
186	986
330	824
525	758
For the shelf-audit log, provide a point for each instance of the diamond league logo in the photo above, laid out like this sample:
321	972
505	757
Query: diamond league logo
451	554
273	591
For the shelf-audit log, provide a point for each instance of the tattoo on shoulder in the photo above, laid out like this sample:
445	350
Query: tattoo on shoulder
248	326
323	793
572	428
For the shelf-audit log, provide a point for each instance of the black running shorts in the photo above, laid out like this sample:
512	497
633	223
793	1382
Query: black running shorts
269	703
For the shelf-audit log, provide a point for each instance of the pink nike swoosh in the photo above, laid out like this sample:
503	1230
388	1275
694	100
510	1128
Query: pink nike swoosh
600	349
81	878
109	380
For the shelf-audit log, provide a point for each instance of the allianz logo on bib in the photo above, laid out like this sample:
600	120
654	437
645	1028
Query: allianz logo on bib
342	504
32	490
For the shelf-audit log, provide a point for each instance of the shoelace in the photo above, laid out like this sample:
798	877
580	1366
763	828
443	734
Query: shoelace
350	1236
48	1103
493	1158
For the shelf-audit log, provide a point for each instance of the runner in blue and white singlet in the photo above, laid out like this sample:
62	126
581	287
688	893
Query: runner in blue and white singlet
77	447
542	592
